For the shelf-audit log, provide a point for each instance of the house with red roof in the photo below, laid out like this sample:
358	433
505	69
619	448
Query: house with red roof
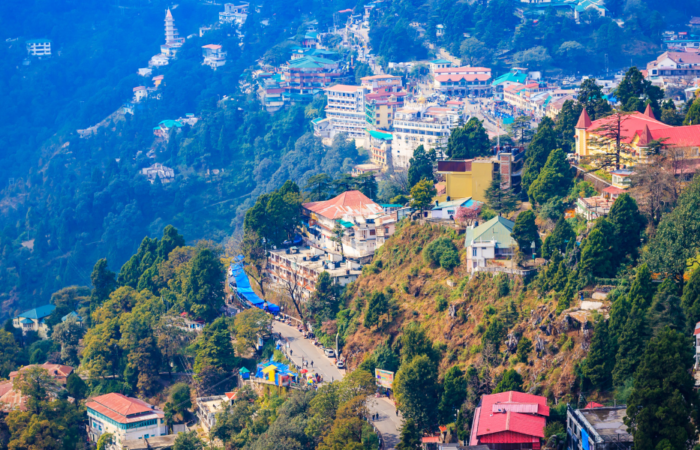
462	81
641	133
126	418
509	421
365	225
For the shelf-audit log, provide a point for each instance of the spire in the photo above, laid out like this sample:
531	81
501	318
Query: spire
584	121
649	112
168	15
645	138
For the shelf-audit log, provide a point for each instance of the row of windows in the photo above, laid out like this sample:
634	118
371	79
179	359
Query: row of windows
124	426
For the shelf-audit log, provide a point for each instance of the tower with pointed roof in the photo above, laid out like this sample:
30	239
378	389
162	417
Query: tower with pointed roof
584	122
173	41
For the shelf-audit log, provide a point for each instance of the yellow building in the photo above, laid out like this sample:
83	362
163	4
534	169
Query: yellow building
467	178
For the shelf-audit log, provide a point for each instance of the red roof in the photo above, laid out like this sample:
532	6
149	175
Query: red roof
613	190
697	328
635	124
649	112
521	418
121	408
55	370
139	88
430	440
593	405
231	395
212	46
351	203
584	121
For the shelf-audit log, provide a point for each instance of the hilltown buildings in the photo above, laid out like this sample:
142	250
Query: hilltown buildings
345	110
640	132
463	81
675	64
33	320
126	418
429	126
350	225
11	399
173	43
597	427
158	170
213	55
302	266
39	47
510	420
233	13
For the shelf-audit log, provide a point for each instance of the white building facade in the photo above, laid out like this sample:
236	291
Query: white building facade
346	110
39	47
126	418
429	127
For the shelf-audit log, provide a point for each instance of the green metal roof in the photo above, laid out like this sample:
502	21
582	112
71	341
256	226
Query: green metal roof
451	203
498	229
38	313
243	370
513	77
381	135
311	35
345	223
440	61
390	205
168	123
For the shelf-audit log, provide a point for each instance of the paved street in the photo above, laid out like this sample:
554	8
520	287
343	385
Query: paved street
388	423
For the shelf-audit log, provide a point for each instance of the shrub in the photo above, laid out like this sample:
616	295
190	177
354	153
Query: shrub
442	252
441	303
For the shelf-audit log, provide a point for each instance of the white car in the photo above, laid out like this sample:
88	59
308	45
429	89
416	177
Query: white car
329	352
341	364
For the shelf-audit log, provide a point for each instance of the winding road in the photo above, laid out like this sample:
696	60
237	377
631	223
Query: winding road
388	423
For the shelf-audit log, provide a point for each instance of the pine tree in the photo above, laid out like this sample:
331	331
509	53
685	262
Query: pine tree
560	278
595	255
693	115
536	154
631	343
554	180
502	201
627	224
662	409
642	289
666	309
453	395
511	381
421	166
559	239
691	300
410	436
601	357
525	232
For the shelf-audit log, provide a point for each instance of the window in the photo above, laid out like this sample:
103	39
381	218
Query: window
473	251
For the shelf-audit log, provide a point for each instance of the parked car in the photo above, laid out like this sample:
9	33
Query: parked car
329	352
341	364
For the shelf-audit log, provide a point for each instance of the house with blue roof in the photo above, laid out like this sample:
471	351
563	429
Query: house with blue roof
447	210
439	64
73	316
33	320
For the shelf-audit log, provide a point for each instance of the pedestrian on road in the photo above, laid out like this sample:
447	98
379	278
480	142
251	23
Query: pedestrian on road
290	352
312	363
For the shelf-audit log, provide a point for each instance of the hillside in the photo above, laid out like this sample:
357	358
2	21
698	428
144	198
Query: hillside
424	294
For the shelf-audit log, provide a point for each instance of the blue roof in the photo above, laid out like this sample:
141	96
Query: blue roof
27	321
390	205
440	61
38	313
453	203
71	314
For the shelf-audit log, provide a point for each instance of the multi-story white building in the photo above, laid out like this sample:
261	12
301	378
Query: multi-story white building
213	55
234	13
462	81
428	126
361	220
346	110
126	418
39	47
302	266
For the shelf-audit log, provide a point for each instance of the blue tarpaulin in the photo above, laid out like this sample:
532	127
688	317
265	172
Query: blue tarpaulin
585	445
245	291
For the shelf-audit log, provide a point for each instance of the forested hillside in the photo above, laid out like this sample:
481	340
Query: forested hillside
73	200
